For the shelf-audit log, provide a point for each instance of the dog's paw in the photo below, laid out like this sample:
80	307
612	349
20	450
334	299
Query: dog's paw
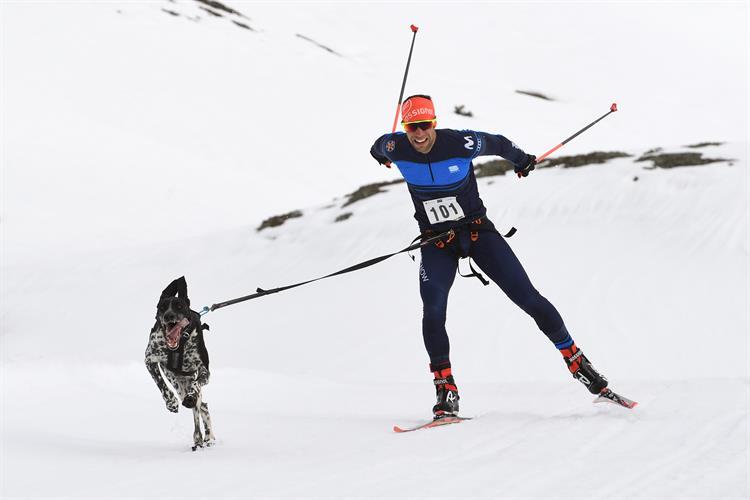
172	404
190	400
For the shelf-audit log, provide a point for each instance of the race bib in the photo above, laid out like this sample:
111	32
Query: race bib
443	210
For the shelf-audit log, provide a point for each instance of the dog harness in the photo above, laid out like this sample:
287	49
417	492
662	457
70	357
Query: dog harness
176	357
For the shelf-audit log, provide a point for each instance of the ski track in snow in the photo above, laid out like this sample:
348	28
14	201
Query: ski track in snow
525	429
292	428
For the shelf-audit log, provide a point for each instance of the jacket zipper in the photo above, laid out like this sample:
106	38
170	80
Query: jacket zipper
429	164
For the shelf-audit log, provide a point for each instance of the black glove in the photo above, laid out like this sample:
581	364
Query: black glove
526	166
381	159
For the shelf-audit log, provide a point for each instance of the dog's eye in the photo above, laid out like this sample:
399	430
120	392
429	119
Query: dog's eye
178	306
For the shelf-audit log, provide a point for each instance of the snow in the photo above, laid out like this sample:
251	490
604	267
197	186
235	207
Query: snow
138	146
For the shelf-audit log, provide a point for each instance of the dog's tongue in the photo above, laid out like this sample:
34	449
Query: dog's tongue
173	335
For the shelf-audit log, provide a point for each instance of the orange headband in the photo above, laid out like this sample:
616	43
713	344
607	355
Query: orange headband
417	109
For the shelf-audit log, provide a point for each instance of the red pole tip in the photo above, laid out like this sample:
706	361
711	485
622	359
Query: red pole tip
414	28
613	107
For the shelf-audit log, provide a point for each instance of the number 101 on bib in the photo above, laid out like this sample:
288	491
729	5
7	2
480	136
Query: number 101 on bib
443	210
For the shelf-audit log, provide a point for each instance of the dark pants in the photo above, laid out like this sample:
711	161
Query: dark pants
495	257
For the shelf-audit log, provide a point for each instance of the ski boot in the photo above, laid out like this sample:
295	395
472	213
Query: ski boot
447	395
583	370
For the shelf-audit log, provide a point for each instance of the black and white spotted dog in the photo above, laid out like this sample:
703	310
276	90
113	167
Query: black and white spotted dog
177	352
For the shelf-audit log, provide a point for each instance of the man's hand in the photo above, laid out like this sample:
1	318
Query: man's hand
381	159
527	166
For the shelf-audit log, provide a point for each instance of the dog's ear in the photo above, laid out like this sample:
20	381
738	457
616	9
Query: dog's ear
182	291
178	287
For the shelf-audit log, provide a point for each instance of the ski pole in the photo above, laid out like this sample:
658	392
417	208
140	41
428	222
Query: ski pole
414	30
612	109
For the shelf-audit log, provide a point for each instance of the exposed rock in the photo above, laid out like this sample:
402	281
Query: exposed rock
212	12
672	160
534	94
328	49
704	144
220	6
499	167
492	167
581	160
367	191
278	220
242	25
459	110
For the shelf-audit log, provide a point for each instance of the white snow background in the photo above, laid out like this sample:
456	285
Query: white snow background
138	146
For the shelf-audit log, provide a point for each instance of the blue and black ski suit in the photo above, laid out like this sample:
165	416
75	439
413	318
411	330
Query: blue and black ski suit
444	190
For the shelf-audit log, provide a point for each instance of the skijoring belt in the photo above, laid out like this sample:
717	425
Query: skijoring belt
480	224
461	246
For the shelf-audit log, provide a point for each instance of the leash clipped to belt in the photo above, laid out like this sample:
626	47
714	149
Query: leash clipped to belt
474	228
260	292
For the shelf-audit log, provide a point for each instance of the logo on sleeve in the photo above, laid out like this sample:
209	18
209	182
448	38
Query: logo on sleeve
469	142
390	146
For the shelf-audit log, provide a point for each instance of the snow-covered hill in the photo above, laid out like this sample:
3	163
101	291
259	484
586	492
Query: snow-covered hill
139	145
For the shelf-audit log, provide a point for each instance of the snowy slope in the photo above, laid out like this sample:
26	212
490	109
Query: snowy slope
139	146
116	110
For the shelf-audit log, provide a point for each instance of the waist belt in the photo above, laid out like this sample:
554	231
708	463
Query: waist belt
452	236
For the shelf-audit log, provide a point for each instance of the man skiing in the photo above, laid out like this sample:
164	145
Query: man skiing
437	167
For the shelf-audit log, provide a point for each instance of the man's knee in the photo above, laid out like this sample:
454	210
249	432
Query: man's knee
528	299
434	302
542	311
434	312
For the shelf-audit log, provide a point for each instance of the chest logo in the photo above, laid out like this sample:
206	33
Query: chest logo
453	169
469	142
390	146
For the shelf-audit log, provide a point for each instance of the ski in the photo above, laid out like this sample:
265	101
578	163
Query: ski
609	396
433	423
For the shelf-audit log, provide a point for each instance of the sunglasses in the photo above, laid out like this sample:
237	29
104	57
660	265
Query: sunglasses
412	127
